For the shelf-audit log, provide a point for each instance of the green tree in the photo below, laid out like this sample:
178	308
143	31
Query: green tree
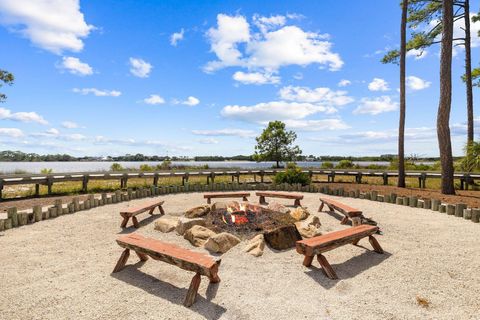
5	78
445	102
276	144
391	57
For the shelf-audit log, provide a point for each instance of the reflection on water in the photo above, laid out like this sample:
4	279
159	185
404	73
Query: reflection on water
57	167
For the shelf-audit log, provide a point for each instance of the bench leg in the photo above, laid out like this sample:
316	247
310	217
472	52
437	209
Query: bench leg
135	222
356	221
262	200
209	201
356	242
122	261
344	220
321	207
376	246
296	203
192	290
151	211
307	261
245	199
162	212
142	256
214	278
125	221
326	267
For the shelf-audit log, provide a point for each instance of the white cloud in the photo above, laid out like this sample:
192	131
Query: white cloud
316	125
22	116
298	76
275	46
74	137
191	101
416	83
268	23
176	37
344	83
97	92
459	26
154	99
75	66
417	53
376	106
53	132
140	68
257	78
275	110
70	125
225	133
208	141
378	84
11	132
54	25
324	96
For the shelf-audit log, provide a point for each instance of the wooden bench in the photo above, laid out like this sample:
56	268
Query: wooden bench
349	213
318	245
197	262
285	195
242	195
131	212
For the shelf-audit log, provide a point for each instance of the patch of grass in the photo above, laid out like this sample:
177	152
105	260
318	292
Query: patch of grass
423	302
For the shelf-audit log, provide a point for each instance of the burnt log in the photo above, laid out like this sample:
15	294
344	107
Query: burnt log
283	237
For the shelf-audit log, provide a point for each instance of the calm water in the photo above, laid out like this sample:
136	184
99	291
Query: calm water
58	167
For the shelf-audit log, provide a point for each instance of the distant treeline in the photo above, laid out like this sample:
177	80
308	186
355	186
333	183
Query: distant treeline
19	156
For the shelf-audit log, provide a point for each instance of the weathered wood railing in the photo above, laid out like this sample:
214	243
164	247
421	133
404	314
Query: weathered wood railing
258	176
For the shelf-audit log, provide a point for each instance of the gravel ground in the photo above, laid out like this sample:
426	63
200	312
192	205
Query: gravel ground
61	269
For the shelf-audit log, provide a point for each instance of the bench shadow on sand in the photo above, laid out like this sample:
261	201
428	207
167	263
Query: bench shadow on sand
142	223
164	290
348	269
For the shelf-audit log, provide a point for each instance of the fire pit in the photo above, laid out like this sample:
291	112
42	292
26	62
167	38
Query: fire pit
246	219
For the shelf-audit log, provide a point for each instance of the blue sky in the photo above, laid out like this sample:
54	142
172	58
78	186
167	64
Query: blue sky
204	77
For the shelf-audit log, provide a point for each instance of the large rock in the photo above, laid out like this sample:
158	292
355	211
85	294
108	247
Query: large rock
166	224
197	212
255	246
185	223
283	237
218	206
221	242
309	227
278	207
307	231
198	235
299	213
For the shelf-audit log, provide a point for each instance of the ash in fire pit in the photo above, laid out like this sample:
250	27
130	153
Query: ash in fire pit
246	219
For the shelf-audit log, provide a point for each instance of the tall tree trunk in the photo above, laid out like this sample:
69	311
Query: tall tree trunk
444	105
468	74
401	125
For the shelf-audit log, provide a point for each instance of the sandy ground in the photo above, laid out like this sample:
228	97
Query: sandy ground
61	269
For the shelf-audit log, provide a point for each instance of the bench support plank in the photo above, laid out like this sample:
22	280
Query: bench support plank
376	246
326	267
192	290
122	261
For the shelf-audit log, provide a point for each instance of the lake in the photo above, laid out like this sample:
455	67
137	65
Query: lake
74	166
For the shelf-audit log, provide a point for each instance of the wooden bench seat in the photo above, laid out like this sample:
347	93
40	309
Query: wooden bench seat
349	213
318	245
285	195
242	195
200	263
131	212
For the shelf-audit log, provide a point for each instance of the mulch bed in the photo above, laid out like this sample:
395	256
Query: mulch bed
470	198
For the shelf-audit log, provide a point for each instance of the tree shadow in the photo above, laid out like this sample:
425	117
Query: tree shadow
142	223
161	289
348	269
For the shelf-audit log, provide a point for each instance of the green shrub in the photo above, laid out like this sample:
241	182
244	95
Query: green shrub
327	165
345	164
165	165
146	167
46	171
375	167
292	175
116	167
